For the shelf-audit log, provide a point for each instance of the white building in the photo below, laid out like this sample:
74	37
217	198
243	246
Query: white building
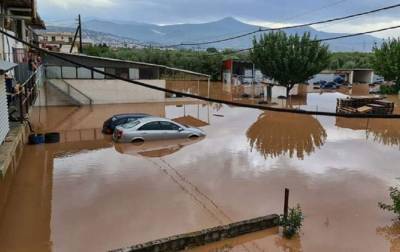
357	76
58	41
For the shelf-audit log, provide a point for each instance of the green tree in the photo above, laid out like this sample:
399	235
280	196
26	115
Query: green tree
386	60
350	60
395	197
212	50
289	59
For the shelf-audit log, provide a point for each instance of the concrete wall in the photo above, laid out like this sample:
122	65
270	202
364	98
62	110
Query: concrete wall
4	123
116	91
281	91
360	89
211	235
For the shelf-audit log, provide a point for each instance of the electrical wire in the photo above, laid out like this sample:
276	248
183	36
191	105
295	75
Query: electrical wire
287	27
314	10
208	99
318	40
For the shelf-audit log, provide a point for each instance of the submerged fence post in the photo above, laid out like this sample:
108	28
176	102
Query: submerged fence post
286	204
208	84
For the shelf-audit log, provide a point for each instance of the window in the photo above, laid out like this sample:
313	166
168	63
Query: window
122	72
130	124
109	70
151	126
53	38
70	39
169	126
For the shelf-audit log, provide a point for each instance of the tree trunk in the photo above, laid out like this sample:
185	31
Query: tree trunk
288	88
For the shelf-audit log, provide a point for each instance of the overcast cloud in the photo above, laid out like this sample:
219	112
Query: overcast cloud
260	12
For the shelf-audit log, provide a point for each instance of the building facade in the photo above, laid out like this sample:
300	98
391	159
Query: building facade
58	41
20	20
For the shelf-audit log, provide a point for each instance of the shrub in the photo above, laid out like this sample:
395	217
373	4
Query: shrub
291	225
395	197
385	89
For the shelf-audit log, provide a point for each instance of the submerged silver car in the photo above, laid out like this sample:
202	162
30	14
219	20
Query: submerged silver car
154	128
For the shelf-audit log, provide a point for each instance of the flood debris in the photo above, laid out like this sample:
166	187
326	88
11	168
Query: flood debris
365	105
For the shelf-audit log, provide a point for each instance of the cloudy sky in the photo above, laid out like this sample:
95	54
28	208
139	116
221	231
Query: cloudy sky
271	13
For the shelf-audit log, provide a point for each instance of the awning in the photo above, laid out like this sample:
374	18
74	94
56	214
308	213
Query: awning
6	66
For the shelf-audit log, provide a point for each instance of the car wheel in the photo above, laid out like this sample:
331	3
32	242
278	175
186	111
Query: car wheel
193	137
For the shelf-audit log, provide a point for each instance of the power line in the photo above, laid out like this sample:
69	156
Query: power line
316	9
288	27
321	40
208	99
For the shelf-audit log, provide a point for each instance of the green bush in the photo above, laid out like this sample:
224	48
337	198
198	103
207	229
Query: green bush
384	89
293	223
395	197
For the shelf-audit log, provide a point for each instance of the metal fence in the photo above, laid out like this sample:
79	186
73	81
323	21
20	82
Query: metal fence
25	95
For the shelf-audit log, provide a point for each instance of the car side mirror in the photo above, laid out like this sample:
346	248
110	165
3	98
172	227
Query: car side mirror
180	129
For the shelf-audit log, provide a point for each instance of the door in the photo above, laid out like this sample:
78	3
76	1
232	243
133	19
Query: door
171	130
150	131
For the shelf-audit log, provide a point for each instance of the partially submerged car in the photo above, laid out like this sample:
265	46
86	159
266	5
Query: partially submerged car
116	120
154	128
330	85
155	148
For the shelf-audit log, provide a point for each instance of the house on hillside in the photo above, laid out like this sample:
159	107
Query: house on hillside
58	41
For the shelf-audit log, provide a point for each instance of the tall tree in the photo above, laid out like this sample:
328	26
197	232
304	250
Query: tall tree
386	61
289	60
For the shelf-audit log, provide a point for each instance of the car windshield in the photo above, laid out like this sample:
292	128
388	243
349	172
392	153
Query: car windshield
130	124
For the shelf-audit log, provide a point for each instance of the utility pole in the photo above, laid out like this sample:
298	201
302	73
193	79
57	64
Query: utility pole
80	34
78	31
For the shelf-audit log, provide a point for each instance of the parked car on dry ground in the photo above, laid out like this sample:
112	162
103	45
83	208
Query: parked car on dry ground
154	128
116	120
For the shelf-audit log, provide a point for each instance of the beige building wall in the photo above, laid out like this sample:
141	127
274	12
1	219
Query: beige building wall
116	91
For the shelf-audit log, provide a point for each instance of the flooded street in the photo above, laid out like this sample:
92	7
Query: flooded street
87	193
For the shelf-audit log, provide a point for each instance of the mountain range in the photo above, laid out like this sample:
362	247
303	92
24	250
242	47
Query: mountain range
178	33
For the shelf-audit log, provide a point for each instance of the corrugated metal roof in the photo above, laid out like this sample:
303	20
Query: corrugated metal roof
134	62
6	66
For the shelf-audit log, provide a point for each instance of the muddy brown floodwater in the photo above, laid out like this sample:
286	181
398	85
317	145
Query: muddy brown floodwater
88	194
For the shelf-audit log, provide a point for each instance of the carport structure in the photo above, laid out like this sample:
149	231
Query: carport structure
357	76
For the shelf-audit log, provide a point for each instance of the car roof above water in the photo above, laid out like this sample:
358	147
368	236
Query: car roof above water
119	116
154	119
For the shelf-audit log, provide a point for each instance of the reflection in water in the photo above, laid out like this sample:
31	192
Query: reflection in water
292	245
276	134
392	234
384	131
246	242
154	149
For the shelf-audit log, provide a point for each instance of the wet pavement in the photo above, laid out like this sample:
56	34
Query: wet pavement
88	194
